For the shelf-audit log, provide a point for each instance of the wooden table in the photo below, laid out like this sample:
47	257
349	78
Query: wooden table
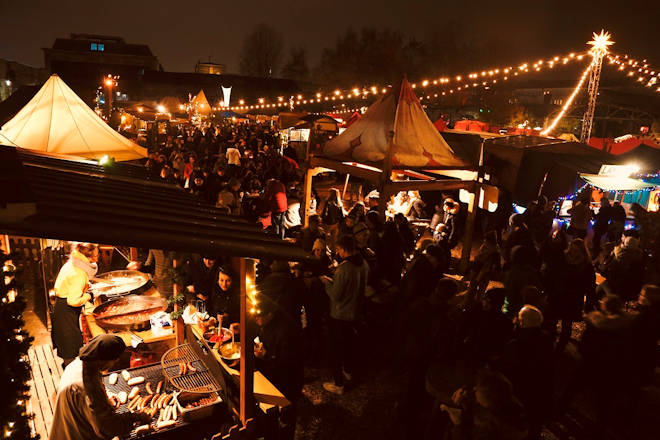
265	393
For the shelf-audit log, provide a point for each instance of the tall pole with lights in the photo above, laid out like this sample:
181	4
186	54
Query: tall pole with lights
599	48
109	83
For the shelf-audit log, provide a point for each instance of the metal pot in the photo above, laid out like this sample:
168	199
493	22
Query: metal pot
229	352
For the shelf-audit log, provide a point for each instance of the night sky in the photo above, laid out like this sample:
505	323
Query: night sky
182	32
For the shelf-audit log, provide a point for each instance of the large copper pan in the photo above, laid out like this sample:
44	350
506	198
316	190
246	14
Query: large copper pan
129	312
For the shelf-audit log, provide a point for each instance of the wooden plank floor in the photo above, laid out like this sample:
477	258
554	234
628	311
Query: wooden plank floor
46	371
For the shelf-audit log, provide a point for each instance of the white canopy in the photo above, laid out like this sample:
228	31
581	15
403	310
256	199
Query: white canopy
202	104
56	120
416	142
615	183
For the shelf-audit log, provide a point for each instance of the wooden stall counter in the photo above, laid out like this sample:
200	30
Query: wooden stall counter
265	393
147	336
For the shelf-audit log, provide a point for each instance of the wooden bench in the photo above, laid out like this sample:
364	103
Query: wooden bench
46	371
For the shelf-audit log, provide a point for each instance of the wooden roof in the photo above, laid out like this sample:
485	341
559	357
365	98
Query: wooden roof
68	199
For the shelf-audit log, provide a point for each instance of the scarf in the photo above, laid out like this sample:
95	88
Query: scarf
80	261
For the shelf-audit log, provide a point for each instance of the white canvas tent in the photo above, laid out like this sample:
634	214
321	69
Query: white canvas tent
416	142
201	103
56	120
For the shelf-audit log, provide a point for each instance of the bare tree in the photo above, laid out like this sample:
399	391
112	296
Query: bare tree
296	67
262	50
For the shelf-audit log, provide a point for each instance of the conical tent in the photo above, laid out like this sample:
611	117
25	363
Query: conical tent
416	142
56	120
202	104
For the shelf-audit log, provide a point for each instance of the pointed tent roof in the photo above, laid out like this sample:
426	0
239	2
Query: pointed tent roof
416	142
56	120
203	106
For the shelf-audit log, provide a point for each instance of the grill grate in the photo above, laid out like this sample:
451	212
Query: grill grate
151	373
201	381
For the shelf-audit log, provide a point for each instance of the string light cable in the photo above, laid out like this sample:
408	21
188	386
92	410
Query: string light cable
448	85
639	71
568	102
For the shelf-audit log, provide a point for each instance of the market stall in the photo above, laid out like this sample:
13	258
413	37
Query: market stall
73	199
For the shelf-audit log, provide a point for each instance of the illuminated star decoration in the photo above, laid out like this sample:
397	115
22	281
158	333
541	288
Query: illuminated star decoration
600	42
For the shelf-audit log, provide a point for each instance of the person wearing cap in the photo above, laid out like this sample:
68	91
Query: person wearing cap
71	294
82	409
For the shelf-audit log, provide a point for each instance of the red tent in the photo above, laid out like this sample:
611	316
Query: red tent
613	147
469	125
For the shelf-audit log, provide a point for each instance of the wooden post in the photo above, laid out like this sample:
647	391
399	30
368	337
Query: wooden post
307	194
307	166
385	178
469	228
247	350
343	193
179	327
475	193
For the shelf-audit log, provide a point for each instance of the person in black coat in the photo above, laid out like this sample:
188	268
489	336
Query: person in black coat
528	362
485	330
282	287
578	279
203	273
279	357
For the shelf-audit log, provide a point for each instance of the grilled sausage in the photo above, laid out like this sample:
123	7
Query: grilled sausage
134	392
112	379
135	380
148	388
126	375
159	388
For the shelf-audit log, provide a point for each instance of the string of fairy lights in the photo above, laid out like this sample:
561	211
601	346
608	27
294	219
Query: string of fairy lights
434	88
638	71
444	85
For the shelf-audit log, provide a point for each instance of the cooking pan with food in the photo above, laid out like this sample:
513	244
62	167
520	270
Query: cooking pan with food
131	312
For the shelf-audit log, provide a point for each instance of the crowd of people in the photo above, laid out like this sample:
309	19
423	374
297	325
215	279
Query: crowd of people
528	288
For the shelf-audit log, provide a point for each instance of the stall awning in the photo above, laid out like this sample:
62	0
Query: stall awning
614	183
49	197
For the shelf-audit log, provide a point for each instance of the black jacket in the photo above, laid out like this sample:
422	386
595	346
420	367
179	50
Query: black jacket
283	362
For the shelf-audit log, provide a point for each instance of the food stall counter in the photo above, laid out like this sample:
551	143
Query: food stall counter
147	336
265	393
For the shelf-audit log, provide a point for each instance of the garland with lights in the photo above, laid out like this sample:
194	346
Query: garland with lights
14	361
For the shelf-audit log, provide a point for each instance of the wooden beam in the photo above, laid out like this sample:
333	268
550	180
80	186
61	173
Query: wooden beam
365	173
386	176
247	350
309	173
430	185
469	228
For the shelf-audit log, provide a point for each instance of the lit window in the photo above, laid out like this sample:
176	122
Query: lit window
94	46
101	47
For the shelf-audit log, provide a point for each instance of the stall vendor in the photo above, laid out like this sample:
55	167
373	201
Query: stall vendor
71	294
203	274
224	301
82	410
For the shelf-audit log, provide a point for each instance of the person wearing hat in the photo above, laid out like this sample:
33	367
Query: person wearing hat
82	410
71	293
